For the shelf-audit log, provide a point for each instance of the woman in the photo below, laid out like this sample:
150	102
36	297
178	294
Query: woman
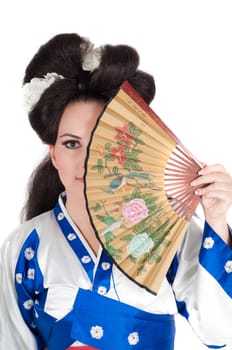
59	288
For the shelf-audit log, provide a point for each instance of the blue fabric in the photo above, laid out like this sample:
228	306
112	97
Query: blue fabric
60	333
171	274
182	308
29	282
215	347
216	257
44	323
118	321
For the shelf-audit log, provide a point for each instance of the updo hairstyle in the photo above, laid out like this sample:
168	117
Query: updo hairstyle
64	54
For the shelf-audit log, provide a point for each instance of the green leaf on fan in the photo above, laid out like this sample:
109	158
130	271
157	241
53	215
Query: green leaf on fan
126	238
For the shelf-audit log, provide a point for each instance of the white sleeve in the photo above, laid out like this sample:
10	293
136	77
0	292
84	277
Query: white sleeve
203	285
14	333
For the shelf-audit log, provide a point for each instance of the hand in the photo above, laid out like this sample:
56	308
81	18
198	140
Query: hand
216	196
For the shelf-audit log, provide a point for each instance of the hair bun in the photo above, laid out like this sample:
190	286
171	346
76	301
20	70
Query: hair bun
65	55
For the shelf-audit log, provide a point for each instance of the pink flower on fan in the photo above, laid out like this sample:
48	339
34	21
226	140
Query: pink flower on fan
124	135
135	210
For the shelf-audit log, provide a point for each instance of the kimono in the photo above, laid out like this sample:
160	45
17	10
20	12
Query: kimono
56	294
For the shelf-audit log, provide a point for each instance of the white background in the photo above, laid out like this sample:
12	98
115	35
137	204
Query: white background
185	44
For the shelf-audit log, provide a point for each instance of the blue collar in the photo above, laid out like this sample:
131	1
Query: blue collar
100	276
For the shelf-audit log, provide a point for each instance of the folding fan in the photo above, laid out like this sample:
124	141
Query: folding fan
138	190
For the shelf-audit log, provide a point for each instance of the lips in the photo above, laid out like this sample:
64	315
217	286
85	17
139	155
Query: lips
80	179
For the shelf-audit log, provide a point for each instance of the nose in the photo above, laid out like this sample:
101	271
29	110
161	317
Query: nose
81	162
83	156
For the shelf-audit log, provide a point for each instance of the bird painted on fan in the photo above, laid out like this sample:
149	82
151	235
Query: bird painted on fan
121	181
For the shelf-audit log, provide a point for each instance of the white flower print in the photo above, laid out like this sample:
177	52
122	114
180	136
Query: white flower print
28	304
29	253
19	277
71	236
96	332
105	266
133	338
228	266
31	274
60	216
33	325
208	243
102	290
86	259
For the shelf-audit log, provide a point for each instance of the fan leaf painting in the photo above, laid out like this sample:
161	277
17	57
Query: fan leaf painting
138	189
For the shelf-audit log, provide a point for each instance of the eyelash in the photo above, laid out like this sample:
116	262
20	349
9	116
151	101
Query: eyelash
72	144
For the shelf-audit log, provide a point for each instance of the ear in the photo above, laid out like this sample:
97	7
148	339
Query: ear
52	155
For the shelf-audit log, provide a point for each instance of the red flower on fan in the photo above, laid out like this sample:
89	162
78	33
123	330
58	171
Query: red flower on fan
124	134
118	153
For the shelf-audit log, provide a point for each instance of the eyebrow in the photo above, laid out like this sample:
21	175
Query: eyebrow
70	135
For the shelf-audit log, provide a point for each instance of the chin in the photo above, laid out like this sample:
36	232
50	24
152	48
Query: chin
79	179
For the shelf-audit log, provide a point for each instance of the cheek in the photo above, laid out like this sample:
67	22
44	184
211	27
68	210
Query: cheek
66	171
67	162
58	158
64	165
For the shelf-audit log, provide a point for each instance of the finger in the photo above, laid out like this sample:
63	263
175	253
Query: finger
212	168
222	195
215	187
203	164
212	177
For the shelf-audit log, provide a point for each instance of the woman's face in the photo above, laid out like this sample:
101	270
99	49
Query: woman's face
69	152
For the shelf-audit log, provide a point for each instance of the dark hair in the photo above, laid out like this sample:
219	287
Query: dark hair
63	54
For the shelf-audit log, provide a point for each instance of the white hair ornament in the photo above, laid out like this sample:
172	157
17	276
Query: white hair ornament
91	58
33	90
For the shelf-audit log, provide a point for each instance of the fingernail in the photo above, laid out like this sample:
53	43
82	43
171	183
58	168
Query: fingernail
198	192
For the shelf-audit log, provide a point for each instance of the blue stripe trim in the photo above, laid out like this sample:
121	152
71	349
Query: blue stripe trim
216	257
102	277
74	241
215	346
182	308
171	274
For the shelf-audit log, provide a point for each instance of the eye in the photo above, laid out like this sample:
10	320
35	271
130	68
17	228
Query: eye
72	144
